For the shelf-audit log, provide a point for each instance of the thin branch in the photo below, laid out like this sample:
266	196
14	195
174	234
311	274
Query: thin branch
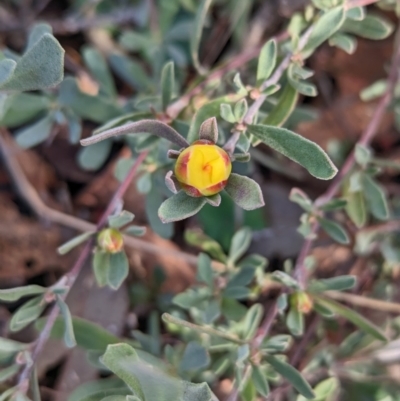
31	197
365	302
334	188
276	76
238	61
71	276
369	133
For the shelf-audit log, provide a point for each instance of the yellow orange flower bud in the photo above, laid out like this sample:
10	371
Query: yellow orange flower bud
110	240
203	169
302	302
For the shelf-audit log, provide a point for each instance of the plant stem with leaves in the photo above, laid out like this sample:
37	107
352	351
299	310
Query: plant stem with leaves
69	279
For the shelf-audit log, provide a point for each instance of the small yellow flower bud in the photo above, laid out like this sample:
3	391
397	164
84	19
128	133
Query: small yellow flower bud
302	302
203	169
110	240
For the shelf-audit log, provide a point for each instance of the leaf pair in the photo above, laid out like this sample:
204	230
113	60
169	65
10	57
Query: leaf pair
245	192
147	382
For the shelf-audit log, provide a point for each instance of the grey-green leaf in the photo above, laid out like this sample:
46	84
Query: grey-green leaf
371	27
93	157
101	267
195	39
69	336
260	381
210	109
14	294
283	108
209	130
285	279
362	155
238	292
239	244
245	192
27	313
118	270
204	270
376	198
20	108
252	321
99	69
240	110
292	375
117	358
295	322
324	28
195	357
227	113
37	32
339	283
7	67
353	317
266	61
356	13
167	84
355	207
41	67
295	147
35	133
74	242
345	42
121	219
179	207
152	127
130	71
137	231
334	230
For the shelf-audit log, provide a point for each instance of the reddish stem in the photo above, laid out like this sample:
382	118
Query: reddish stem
73	274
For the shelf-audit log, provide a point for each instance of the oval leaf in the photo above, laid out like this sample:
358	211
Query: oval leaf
353	317
69	336
371	27
325	27
260	381
239	244
179	207
41	67
118	358
245	192
283	109
74	242
334	230
266	61
345	42
295	147
339	283
35	133
292	375
118	270
376	198
27	313
14	294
